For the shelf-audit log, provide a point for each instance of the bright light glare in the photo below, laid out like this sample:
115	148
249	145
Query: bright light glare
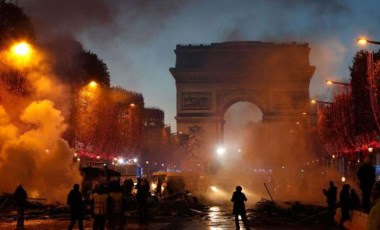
120	160
362	41
313	101
21	49
343	179
93	84
135	160
329	82
220	151
213	188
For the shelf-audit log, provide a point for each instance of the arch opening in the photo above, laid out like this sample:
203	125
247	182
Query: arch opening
240	118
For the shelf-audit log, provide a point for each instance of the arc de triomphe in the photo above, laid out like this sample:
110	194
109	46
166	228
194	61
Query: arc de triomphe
211	78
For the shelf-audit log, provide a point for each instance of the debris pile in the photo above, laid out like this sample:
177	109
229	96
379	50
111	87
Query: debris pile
286	213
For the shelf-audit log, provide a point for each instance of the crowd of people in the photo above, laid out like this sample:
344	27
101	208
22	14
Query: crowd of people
108	204
349	199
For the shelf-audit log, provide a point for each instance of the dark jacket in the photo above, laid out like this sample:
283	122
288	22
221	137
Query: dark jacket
74	199
20	196
238	198
367	175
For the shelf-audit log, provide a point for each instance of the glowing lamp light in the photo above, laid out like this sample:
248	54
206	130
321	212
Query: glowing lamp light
21	49
98	157
214	188
343	179
120	160
135	160
132	105
220	151
93	84
370	149
313	101
329	82
362	41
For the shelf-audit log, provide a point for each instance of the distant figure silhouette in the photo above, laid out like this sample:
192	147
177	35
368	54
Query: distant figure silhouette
75	201
345	204
238	199
374	214
142	200
127	187
159	187
331	202
367	178
20	196
116	207
355	201
100	199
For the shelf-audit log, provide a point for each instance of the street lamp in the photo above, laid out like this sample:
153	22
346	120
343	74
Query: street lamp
220	151
330	82
93	84
21	49
344	87
364	41
320	102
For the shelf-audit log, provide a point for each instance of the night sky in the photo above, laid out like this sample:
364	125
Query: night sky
136	38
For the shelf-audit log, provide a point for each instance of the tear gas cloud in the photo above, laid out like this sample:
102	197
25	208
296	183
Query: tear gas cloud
282	161
32	151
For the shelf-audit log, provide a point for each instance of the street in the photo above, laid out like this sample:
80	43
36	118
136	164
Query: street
217	218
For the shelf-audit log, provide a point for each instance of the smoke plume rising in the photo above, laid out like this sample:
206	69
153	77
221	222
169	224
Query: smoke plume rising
32	151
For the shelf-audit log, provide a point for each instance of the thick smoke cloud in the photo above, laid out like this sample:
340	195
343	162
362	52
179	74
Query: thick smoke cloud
37	157
32	151
140	20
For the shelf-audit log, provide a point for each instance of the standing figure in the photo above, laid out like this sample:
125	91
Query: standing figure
355	201
159	187
238	199
75	201
127	187
331	202
100	200
374	214
367	178
142	200
116	207
20	196
345	204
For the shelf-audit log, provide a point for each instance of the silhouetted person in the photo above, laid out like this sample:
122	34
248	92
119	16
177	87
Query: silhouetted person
116	207
367	178
330	194
159	187
20	196
142	200
238	199
374	214
355	201
345	204
100	202
75	201
127	187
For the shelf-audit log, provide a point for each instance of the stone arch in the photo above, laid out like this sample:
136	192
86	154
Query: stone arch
210	78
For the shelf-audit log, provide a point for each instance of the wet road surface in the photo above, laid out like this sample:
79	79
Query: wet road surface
215	218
